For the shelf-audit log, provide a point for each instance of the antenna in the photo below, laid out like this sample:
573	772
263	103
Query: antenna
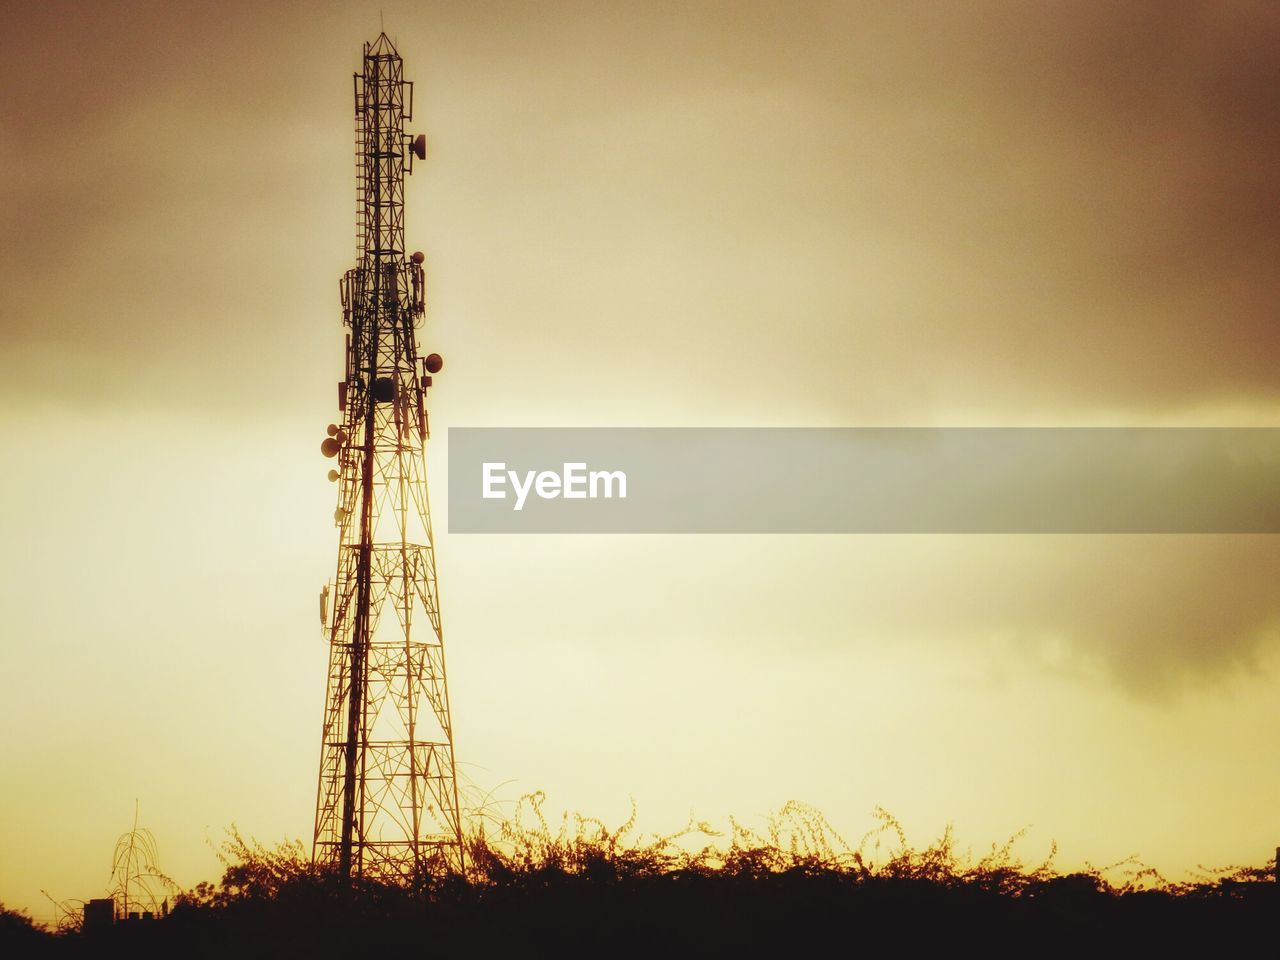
387	798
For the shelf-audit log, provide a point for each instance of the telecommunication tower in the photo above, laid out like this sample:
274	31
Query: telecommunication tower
387	801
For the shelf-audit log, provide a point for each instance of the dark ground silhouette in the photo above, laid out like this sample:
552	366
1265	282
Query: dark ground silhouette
794	888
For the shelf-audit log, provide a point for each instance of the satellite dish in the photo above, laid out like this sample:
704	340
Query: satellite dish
330	447
332	429
420	146
333	475
434	363
418	256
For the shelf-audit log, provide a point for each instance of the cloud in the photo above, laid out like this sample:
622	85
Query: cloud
826	214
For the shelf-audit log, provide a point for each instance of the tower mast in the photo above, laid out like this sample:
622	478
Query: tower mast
387	800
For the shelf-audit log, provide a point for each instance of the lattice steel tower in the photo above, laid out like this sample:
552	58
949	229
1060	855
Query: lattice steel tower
387	802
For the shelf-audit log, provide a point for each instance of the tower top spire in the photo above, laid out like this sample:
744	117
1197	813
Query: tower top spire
383	46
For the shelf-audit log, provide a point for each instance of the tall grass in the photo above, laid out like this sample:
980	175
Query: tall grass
577	883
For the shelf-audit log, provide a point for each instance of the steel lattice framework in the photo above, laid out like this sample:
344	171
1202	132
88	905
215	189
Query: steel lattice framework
387	801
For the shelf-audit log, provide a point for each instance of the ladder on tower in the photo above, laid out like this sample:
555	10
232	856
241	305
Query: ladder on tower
361	169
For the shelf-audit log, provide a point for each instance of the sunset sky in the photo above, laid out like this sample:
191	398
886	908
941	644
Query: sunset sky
638	214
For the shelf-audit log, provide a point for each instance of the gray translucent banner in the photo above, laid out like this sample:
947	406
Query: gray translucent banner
864	480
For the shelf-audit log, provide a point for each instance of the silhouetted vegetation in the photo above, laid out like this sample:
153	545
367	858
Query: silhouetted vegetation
583	887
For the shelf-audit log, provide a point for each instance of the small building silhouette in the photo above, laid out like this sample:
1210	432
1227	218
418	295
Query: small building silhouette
99	914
